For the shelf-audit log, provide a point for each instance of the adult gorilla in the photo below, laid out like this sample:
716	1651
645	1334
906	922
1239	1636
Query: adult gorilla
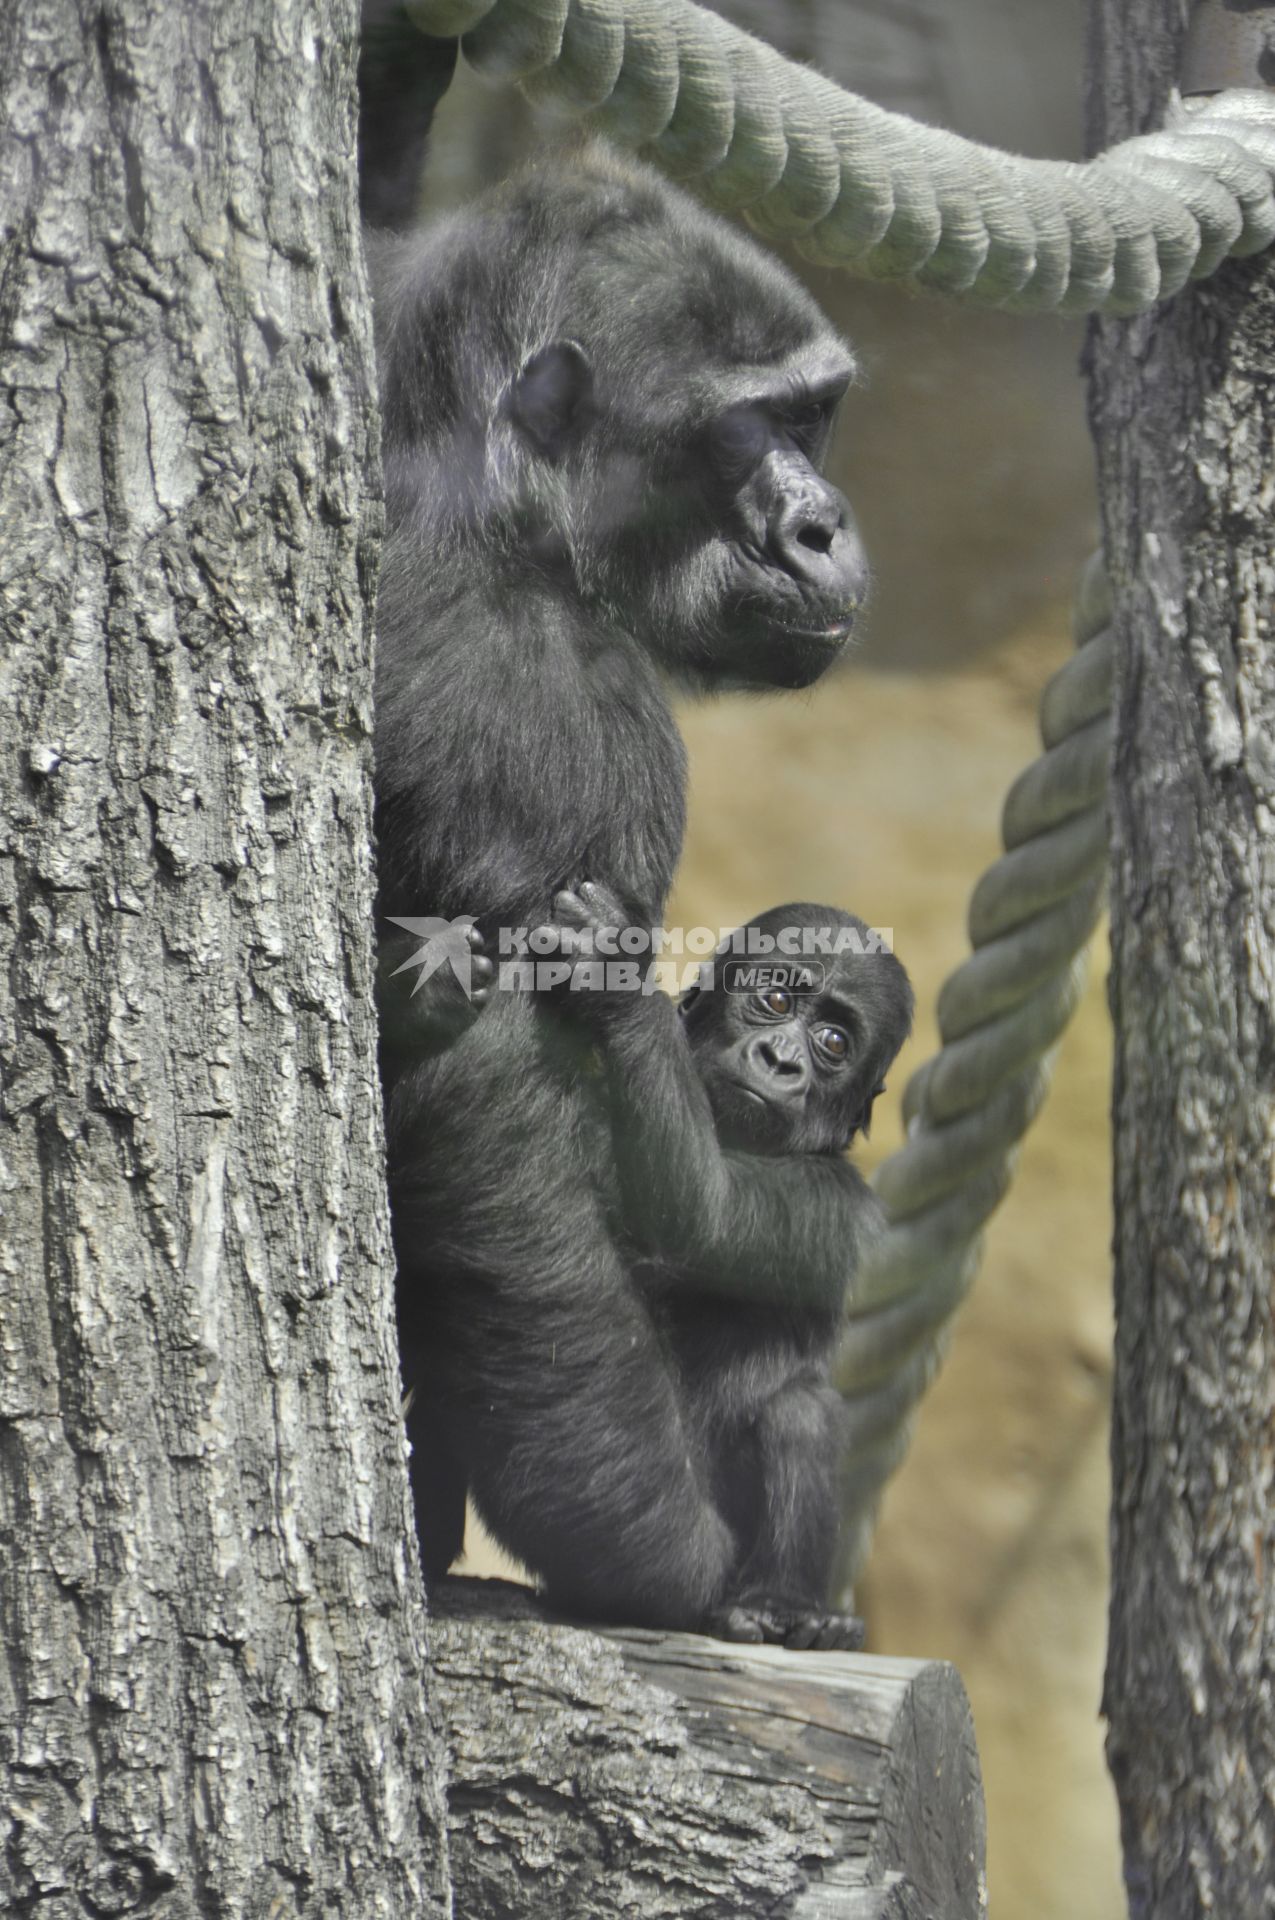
605	415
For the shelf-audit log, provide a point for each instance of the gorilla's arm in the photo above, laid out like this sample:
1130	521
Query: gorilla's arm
786	1228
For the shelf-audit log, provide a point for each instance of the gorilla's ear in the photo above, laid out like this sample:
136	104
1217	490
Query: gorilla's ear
691	1003
551	401
862	1121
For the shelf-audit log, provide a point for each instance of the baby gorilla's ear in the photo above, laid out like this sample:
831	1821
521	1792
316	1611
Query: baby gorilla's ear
861	1122
551	401
693	1001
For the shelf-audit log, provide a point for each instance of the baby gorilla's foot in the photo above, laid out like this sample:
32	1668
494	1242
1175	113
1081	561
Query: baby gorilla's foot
800	1628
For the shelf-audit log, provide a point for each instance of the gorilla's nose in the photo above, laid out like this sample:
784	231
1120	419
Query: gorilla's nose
814	539
783	1062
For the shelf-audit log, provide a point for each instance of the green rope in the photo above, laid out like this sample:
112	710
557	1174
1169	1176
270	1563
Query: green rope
855	186
1001	1015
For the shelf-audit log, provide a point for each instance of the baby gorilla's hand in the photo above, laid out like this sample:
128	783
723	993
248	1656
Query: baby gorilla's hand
482	969
589	919
583	912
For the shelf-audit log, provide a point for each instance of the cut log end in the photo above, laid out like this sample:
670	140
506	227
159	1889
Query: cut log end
622	1772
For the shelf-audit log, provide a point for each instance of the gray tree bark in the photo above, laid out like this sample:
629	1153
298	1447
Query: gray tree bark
1183	410
212	1699
631	1775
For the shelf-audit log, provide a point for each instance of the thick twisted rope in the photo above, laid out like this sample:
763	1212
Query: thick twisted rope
855	186
1001	1015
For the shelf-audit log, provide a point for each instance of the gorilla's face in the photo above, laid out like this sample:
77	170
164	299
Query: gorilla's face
717	540
794	1050
671	440
796	571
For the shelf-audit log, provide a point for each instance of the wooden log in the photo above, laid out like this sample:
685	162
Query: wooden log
631	1775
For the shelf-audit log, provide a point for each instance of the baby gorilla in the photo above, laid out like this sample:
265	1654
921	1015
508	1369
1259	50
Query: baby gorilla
634	1295
787	1054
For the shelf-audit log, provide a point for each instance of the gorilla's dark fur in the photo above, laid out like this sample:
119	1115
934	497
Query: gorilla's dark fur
605	414
636	1284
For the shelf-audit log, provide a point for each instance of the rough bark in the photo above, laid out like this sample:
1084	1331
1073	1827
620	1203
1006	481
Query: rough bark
643	1776
212	1698
1183	410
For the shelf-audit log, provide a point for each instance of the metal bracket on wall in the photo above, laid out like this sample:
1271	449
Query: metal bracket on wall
1229	43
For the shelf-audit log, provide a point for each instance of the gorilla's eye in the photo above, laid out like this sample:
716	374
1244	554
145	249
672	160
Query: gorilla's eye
778	1001
833	1041
739	439
808	423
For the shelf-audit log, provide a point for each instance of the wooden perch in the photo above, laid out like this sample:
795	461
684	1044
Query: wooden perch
630	1775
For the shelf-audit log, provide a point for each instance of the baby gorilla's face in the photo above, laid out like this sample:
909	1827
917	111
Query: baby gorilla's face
779	1069
793	1053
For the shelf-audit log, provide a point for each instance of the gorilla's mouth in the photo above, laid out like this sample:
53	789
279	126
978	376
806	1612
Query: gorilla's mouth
803	654
835	635
782	642
747	1118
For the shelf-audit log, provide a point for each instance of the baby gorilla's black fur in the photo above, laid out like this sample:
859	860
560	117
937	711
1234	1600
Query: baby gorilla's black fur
637	1282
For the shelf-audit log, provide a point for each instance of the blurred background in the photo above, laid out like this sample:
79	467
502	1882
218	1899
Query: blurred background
966	458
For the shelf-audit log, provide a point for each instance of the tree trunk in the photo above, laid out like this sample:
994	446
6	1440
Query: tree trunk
1183	411
213	1697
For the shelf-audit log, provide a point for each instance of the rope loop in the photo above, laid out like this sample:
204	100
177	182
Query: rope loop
517	38
858	187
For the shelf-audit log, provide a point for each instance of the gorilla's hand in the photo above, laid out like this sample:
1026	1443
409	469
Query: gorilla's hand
428	990
584	913
588	922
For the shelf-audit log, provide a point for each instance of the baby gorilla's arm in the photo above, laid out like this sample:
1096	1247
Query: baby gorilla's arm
782	1226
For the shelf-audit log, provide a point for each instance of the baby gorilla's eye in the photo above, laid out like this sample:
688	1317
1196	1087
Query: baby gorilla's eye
833	1041
778	1001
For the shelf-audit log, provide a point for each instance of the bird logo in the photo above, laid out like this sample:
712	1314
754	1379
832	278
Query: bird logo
442	943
